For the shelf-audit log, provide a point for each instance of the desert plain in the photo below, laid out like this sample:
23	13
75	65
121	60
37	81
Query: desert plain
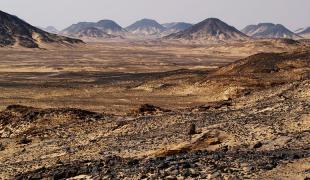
156	110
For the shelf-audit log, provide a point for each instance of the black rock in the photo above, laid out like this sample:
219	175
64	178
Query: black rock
186	165
163	165
257	145
14	31
25	140
133	162
2	147
192	129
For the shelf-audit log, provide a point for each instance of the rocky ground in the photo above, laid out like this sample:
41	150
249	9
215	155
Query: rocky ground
257	127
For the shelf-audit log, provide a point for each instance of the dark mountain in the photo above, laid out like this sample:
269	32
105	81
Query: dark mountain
269	30
75	28
108	26
146	27
210	30
14	31
304	32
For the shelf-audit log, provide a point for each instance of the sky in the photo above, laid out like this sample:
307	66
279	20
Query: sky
239	13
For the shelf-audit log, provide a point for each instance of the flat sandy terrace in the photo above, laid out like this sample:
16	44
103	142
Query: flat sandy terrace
103	76
110	57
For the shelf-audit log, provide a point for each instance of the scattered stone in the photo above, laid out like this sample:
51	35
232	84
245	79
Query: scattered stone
186	165
192	129
215	105
170	178
25	140
148	109
133	162
214	175
192	172
224	148
163	165
2	147
247	168
258	145
7	132
180	177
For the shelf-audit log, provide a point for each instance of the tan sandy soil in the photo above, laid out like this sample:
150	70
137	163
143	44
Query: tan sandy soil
251	117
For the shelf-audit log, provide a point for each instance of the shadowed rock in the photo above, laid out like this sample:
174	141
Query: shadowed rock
146	109
14	31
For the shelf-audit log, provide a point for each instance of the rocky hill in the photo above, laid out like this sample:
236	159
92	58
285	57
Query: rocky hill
107	26
146	27
110	27
209	31
269	30
277	63
16	32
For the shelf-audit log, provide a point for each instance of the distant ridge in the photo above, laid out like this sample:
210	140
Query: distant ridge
209	31
269	30
16	32
107	26
110	27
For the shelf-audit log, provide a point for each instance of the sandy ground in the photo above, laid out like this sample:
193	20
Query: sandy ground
250	118
97	76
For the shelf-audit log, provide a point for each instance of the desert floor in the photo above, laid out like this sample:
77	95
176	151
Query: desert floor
103	76
154	110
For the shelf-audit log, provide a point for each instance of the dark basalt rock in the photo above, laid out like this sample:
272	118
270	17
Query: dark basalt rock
149	109
258	145
14	30
192	129
25	140
2	148
184	163
215	105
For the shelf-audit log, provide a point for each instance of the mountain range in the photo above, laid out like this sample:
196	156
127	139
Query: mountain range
146	28
16	32
269	30
209	30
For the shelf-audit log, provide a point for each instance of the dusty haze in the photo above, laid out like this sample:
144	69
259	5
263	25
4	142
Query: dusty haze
59	13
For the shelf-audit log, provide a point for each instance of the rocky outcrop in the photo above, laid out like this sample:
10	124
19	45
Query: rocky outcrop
16	32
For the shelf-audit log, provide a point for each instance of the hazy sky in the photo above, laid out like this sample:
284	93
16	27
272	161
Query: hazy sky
239	13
